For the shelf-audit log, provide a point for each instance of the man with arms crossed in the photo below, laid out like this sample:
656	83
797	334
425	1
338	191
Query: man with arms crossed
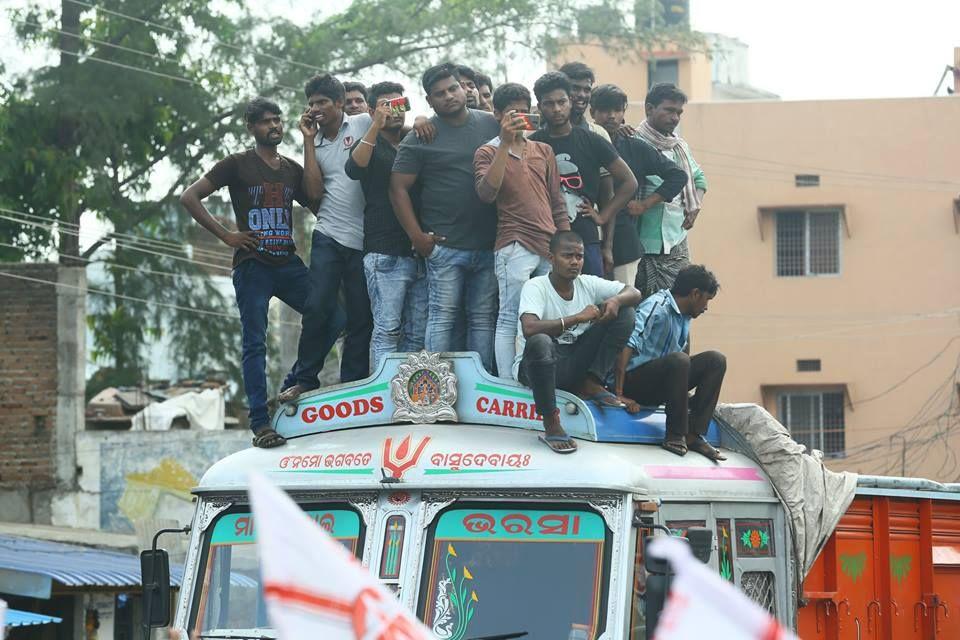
572	328
663	228
581	157
655	367
455	229
521	177
396	276
607	106
263	185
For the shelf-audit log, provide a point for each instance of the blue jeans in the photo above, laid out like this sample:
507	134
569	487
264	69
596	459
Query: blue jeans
333	265
398	298
255	283
593	260
515	264
461	279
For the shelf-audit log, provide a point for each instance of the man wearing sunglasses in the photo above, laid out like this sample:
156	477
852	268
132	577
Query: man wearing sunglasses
591	199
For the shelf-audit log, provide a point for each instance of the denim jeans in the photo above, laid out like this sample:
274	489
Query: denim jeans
548	366
398	298
333	265
515	264
593	260
461	279
255	283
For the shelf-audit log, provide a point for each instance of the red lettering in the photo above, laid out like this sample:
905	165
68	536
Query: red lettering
508	408
326	412
361	407
522	410
273	194
376	404
343	409
482	403
309	415
495	408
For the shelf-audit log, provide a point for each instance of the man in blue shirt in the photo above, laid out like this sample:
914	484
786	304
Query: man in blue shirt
655	367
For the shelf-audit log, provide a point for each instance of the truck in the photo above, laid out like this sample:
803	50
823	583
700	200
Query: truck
430	472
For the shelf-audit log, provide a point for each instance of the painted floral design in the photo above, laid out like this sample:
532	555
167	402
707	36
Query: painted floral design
755	539
456	600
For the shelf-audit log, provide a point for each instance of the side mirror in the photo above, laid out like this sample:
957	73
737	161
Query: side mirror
701	541
155	580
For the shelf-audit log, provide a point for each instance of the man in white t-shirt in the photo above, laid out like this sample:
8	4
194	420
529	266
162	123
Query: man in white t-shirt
572	327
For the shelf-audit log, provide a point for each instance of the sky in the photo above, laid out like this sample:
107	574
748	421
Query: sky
800	50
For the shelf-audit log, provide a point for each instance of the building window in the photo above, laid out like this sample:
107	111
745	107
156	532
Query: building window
761	587
663	71
808	243
814	418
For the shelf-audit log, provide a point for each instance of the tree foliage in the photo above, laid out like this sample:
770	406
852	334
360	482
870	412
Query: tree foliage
144	94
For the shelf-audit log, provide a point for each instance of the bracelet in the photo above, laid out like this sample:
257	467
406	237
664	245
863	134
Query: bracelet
562	326
362	141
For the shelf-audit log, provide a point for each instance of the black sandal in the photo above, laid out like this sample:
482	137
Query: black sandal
705	449
673	445
267	438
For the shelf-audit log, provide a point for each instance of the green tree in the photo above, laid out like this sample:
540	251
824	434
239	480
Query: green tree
145	94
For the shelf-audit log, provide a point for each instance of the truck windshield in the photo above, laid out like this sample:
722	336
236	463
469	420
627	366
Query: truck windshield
230	595
491	571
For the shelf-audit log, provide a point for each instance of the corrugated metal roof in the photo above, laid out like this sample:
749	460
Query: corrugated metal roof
17	618
73	565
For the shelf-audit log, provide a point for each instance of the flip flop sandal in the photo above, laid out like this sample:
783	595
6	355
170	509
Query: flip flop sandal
548	440
675	446
268	439
705	449
606	400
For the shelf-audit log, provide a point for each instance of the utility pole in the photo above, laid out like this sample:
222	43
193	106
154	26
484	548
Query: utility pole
69	43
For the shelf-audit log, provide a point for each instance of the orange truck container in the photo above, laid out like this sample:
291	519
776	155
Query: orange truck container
891	569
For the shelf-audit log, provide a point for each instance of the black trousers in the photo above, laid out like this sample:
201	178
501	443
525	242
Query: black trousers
547	366
668	380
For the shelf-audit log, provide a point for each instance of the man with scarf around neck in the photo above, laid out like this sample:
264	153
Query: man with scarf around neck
663	228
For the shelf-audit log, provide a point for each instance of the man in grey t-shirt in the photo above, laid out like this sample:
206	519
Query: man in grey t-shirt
336	255
455	229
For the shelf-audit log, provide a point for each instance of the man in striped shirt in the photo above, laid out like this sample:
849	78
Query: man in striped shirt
655	367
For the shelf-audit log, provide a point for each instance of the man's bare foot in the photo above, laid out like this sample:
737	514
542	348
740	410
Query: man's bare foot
555	437
290	394
593	391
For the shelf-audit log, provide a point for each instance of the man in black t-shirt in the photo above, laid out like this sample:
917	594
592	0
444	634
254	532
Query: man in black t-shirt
580	156
396	275
608	103
263	185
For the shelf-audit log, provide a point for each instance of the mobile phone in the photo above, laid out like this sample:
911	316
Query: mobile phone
400	105
531	121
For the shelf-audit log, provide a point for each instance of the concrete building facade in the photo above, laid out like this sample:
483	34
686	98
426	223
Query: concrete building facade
834	228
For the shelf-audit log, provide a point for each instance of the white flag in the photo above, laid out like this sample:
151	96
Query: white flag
313	586
703	605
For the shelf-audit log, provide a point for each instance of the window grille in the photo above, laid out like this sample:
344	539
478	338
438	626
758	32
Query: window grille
815	419
808	365
761	587
806	180
808	243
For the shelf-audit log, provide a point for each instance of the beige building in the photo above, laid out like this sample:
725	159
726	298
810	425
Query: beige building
834	228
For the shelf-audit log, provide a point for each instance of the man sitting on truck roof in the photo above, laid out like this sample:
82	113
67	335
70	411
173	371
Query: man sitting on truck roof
656	366
571	329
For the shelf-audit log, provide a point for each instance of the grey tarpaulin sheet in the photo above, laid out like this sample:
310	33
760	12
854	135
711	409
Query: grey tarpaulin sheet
815	497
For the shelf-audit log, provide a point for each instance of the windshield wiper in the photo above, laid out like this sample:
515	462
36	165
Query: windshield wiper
503	636
235	636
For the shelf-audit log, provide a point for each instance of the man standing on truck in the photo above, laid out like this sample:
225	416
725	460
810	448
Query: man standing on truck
263	185
571	329
522	178
455	230
655	367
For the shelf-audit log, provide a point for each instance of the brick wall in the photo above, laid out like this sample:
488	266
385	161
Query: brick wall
28	376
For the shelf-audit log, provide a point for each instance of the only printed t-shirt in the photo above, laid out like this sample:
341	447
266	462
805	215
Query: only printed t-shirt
581	157
540	298
262	199
450	206
341	210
